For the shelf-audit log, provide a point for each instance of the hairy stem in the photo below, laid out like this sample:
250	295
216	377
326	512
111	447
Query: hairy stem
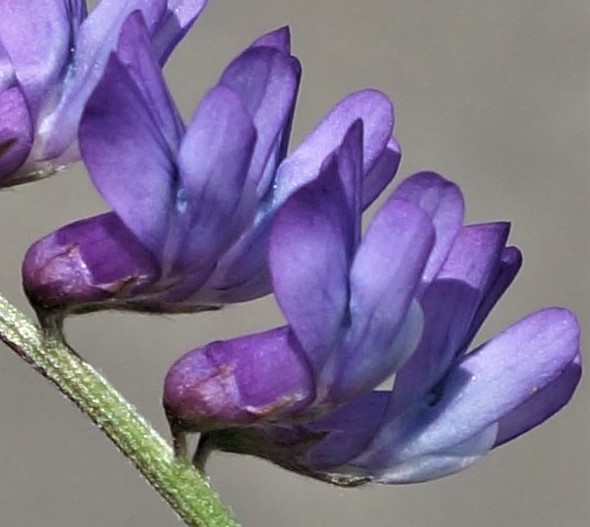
187	491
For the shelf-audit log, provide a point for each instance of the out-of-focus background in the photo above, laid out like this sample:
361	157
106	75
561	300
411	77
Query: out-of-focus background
496	96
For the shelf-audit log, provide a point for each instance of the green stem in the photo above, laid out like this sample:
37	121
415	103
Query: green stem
187	491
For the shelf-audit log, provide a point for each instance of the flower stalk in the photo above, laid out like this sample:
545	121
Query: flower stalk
187	491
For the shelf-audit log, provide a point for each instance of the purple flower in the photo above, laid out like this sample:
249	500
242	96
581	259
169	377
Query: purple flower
406	300
192	206
51	57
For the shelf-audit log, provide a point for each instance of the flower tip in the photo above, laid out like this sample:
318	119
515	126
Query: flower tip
236	383
199	392
557	317
85	265
54	277
279	38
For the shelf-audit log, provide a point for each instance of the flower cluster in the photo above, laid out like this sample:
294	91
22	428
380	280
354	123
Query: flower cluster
406	300
218	211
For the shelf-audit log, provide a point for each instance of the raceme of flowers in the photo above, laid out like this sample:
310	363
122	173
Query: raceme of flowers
217	211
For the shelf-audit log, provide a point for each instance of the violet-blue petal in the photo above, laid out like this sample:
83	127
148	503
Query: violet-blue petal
279	39
16	131
450	304
382	173
506	271
97	38
433	465
348	430
213	161
383	280
267	80
443	202
542	404
88	261
311	247
480	390
179	18
238	381
134	50
127	156
38	36
243	269
303	164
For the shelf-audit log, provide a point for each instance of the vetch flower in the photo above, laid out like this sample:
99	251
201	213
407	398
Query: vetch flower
306	396
52	55
192	206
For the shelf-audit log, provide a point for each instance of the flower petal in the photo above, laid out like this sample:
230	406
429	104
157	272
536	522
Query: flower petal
443	202
92	260
480	390
267	80
38	35
97	38
212	162
303	165
437	464
450	303
134	50
16	132
382	173
242	273
384	276
239	381
311	246
179	18
279	39
542	405
506	271
349	430
128	157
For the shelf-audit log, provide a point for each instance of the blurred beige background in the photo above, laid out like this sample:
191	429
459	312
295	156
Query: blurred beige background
495	95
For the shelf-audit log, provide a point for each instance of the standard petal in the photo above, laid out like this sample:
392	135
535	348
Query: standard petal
382	173
443	202
542	404
179	18
480	390
38	36
238	382
506	271
311	247
267	80
93	260
134	50
450	304
383	280
303	165
16	132
212	162
128	158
